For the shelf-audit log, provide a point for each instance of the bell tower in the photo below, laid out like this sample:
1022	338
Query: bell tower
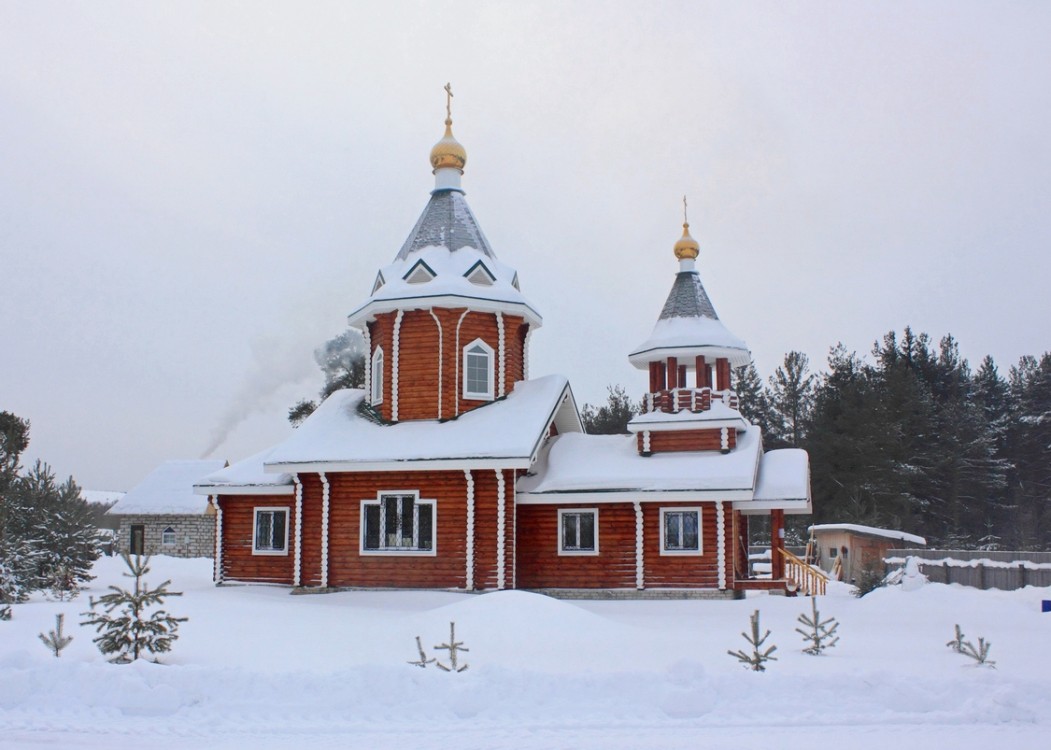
689	356
446	326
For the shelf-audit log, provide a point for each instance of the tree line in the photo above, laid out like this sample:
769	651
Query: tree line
910	438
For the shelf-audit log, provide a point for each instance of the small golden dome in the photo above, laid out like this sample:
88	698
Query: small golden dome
687	248
448	152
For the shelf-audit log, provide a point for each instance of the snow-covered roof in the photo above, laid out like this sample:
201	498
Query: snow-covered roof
506	433
870	531
608	468
718	415
445	279
101	497
690	337
446	261
246	477
168	490
783	482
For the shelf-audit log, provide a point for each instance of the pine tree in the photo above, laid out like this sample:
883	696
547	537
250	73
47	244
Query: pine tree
133	630
342	362
754	399
56	640
820	634
791	394
611	418
757	659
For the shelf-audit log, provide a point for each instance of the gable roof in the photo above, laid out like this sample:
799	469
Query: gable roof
246	477
168	490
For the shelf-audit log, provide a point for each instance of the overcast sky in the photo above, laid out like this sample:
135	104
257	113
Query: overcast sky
193	196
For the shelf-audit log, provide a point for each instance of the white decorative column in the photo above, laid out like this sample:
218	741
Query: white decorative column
501	349
469	581
297	560
441	361
640	567
394	367
645	441
724	440
501	531
365	334
720	533
217	574
324	530
525	353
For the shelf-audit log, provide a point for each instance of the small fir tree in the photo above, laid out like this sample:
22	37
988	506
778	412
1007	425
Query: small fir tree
133	629
757	659
56	640
818	634
454	647
980	653
956	644
423	661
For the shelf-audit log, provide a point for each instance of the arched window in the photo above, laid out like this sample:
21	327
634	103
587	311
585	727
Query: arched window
478	371
377	376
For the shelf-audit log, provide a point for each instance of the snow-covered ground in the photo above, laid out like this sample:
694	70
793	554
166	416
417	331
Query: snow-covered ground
257	668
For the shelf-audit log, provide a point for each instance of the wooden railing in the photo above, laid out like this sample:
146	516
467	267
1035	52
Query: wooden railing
808	580
687	399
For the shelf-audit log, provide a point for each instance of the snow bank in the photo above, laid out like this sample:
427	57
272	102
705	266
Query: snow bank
256	667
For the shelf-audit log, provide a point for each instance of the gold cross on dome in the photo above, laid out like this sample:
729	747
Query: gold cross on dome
685	220
449	101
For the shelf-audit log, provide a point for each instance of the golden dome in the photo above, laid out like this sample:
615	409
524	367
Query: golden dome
448	152
687	248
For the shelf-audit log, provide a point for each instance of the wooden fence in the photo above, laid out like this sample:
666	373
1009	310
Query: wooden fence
976	568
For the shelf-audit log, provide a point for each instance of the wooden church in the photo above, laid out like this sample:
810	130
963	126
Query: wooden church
453	469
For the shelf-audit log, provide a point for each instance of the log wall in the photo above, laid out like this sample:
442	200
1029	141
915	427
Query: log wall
431	359
238	562
667	441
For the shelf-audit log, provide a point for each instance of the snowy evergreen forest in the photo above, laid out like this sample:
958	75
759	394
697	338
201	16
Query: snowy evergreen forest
912	438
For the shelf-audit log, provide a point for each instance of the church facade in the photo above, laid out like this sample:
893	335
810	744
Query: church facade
454	469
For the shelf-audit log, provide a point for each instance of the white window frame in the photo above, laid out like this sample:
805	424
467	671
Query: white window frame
562	550
377	376
385	551
168	537
490	354
256	550
677	552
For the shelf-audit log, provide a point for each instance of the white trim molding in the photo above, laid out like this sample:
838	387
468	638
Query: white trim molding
217	574
720	534
525	353
395	357
366	334
640	562
375	390
441	360
501	530
469	579
297	560
501	389
324	529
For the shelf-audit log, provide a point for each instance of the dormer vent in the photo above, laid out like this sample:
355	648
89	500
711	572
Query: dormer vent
420	273
480	275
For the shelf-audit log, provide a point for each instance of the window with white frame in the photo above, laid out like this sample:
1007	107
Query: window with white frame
168	536
578	531
270	532
680	531
397	522
478	370
377	376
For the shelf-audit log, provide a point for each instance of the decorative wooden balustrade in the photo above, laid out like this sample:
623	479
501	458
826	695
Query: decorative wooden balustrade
687	399
808	580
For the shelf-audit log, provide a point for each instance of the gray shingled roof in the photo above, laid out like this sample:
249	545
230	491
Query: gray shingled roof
447	221
688	299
